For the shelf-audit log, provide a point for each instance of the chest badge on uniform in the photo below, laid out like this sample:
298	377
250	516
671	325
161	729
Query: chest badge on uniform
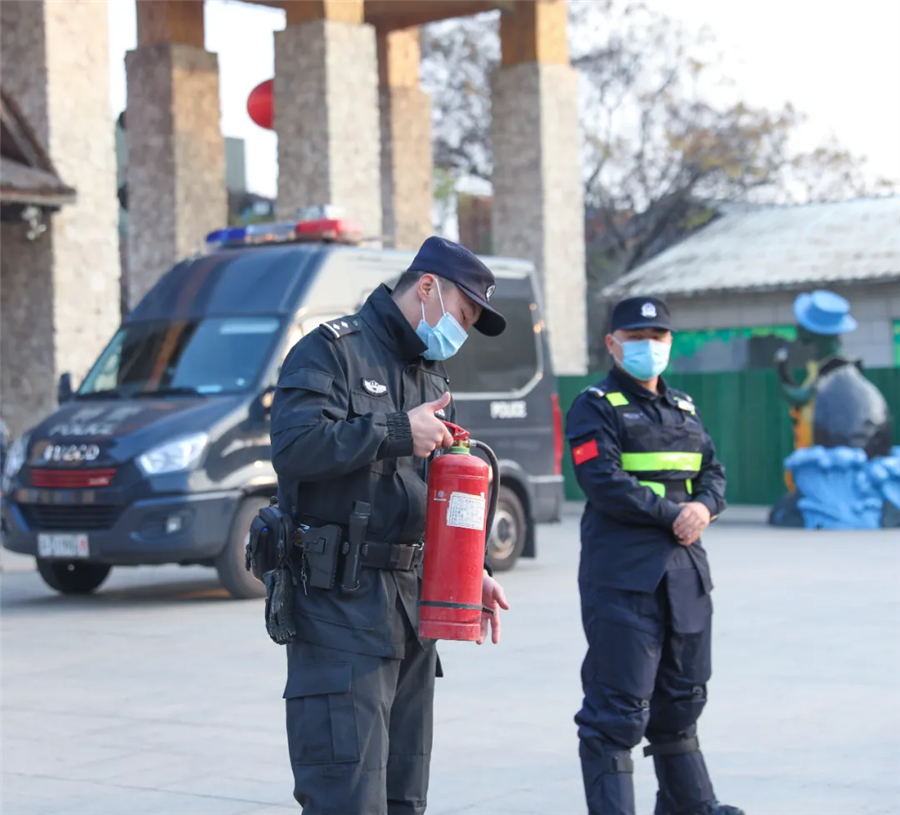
373	387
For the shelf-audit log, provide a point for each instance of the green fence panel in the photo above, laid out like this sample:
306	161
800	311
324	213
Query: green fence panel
746	419
569	387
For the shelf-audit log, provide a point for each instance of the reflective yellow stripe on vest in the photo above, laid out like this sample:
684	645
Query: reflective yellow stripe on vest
616	399
660	488
655	486
659	462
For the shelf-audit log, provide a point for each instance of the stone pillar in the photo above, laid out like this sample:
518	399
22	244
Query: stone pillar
538	209
406	158
326	112
176	152
60	301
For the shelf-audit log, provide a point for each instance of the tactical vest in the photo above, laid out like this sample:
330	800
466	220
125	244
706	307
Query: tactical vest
664	456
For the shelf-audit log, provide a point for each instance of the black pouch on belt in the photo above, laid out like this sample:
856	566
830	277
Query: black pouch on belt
321	547
267	544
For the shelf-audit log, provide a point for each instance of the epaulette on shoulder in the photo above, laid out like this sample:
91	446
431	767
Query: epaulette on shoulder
599	393
683	400
342	327
684	397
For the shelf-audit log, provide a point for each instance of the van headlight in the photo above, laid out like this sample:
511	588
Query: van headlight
174	456
15	458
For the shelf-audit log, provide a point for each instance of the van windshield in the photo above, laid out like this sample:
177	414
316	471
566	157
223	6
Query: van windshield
204	356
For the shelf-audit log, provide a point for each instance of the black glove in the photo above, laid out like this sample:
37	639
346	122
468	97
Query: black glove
280	605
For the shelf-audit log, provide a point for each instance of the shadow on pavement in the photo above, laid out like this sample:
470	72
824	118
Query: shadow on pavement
127	588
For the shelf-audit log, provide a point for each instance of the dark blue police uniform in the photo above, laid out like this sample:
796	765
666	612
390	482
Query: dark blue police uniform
360	682
645	598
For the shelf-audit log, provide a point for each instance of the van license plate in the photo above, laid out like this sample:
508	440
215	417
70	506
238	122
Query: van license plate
68	546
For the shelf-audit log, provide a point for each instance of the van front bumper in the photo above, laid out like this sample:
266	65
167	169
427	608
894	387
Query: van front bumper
153	531
547	498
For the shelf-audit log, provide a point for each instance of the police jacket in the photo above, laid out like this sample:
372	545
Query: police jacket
340	433
638	456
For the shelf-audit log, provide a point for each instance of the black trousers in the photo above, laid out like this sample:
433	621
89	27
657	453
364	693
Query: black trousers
360	729
645	674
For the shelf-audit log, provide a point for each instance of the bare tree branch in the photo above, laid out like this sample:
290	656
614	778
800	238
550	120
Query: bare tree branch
657	147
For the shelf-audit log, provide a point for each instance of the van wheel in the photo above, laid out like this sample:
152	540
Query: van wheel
72	576
233	574
509	531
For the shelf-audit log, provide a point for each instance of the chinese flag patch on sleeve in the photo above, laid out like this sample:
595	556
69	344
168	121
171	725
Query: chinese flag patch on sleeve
585	452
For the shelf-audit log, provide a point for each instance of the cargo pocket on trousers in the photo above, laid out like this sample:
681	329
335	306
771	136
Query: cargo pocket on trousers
321	717
690	606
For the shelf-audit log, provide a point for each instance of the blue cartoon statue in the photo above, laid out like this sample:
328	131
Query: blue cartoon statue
843	473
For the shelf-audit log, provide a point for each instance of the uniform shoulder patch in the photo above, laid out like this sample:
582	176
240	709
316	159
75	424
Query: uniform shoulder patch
343	327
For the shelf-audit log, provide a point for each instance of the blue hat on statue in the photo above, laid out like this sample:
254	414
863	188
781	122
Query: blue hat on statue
824	312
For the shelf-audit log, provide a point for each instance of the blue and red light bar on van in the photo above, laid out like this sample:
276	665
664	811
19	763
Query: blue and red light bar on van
317	224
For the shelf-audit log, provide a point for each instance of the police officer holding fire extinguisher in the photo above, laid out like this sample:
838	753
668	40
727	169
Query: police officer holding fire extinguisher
359	408
653	483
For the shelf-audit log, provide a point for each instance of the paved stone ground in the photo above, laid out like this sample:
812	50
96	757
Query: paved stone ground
158	695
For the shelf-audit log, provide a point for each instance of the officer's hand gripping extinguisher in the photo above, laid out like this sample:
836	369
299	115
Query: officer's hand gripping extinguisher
458	523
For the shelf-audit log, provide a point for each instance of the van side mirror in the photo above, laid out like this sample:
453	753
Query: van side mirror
64	391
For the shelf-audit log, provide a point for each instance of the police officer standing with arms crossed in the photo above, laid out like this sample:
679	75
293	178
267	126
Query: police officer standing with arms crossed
653	484
356	414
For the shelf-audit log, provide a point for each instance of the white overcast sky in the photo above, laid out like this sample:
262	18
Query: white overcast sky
838	61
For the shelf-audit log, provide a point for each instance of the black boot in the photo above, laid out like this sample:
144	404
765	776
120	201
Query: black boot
713	808
608	779
684	785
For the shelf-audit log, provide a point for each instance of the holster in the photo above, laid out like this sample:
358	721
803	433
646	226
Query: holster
320	547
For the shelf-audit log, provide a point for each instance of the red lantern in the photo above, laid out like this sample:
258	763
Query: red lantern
259	104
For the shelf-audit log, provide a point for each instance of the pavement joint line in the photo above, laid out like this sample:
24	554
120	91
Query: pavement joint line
141	789
125	719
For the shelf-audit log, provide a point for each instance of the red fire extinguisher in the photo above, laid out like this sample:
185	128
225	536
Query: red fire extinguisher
458	522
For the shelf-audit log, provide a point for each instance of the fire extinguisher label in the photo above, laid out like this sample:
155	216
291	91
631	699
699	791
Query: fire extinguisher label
466	511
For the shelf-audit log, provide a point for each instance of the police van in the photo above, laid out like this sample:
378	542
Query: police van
162	454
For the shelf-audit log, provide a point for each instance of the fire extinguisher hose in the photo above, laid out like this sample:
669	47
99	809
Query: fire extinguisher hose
495	490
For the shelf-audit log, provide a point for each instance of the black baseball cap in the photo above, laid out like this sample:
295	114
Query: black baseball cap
641	312
455	263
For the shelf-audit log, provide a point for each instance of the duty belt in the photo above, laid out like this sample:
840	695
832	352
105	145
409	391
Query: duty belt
398	557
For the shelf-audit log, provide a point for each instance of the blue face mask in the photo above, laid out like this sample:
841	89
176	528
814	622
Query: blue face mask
644	359
444	339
